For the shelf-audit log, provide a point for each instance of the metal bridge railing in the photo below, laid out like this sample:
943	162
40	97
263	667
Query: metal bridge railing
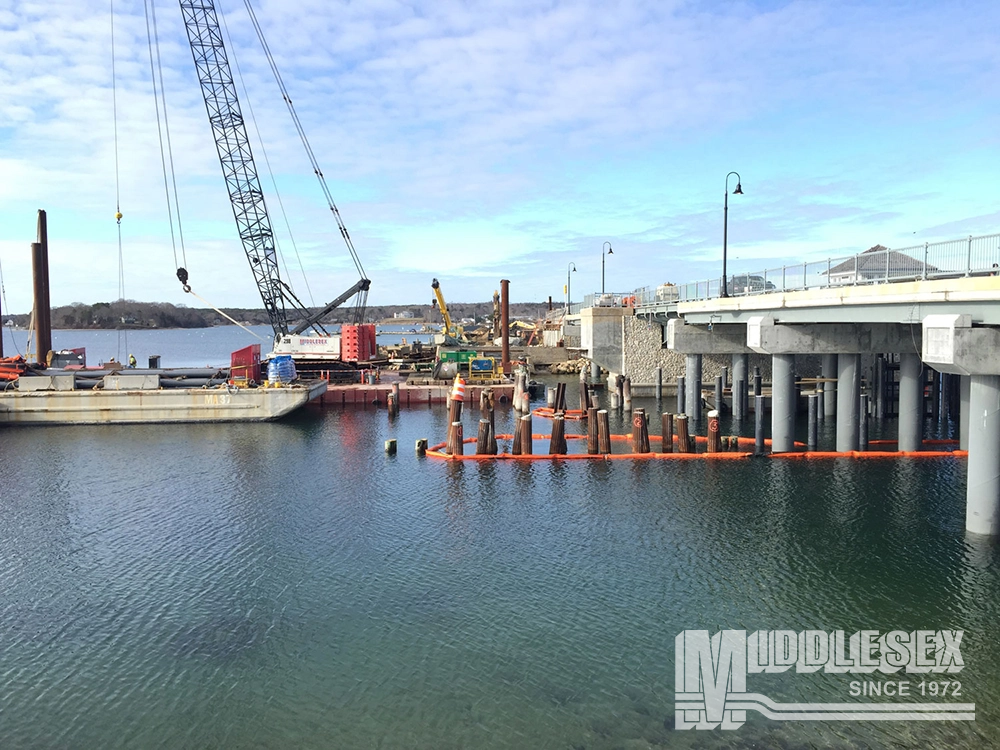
970	256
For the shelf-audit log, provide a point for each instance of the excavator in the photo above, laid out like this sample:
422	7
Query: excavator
453	354
297	330
452	335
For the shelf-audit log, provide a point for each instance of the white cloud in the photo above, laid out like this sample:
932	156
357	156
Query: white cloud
530	132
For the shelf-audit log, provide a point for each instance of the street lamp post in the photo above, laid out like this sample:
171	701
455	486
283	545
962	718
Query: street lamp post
609	252
569	299
725	226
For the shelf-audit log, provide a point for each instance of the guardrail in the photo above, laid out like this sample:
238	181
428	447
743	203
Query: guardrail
969	256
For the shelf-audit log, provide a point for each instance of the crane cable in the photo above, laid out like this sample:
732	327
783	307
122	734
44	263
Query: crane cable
122	333
305	141
224	315
163	129
267	162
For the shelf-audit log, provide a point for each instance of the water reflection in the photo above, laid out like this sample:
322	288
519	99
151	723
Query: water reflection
291	585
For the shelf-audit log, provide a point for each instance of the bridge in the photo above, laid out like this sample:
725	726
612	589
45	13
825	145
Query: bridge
935	305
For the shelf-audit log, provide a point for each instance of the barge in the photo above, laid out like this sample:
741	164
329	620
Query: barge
137	396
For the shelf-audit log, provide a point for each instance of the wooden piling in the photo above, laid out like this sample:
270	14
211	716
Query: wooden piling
603	432
667	432
517	442
456	439
592	431
487	411
390	446
557	441
681	423
640	432
584	393
713	435
719	386
526	439
627	393
454	411
550	397
421	446
483	439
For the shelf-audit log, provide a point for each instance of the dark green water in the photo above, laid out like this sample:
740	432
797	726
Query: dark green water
289	585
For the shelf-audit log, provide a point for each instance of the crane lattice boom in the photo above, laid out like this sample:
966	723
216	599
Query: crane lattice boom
229	130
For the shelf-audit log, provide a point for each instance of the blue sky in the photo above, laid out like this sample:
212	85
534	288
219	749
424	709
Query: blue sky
473	142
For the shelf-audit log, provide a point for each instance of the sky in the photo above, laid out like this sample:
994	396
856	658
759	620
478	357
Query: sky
472	142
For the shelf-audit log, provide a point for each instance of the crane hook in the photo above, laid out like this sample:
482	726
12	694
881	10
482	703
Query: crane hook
182	275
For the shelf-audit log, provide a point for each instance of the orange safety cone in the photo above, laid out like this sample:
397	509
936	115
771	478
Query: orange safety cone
458	390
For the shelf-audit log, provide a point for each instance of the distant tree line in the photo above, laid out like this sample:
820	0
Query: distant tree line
131	314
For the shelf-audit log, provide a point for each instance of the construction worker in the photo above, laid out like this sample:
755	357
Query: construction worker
131	361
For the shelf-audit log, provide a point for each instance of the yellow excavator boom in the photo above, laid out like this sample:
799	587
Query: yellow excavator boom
449	329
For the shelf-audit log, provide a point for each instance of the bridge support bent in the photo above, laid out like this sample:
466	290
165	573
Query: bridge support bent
982	508
848	401
964	386
693	382
782	403
911	403
830	387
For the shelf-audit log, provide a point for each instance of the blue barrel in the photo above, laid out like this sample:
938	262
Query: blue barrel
281	369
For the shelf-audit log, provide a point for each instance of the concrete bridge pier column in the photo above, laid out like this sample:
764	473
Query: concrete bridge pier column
982	500
964	385
848	401
829	389
741	368
693	383
911	403
782	403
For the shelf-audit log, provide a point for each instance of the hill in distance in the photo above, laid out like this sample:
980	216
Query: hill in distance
132	314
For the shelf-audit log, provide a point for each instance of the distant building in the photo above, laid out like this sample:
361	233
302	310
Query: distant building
878	262
403	314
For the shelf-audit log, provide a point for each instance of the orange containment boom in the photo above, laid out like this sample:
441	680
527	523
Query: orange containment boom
437	451
546	412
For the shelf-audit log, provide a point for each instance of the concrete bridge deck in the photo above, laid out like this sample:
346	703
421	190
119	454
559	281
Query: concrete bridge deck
932	306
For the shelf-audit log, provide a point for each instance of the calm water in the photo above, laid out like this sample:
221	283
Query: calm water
289	585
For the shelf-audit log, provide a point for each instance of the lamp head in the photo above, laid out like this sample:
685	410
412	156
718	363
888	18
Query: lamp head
610	251
738	190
